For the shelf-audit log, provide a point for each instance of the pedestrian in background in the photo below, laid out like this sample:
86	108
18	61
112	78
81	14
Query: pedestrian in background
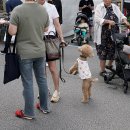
86	7
58	5
28	22
10	5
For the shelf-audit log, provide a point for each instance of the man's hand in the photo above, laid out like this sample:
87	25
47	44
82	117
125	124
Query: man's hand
2	21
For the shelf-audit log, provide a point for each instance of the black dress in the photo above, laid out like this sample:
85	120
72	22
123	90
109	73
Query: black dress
106	51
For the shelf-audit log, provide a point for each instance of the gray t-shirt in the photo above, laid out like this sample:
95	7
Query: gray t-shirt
30	19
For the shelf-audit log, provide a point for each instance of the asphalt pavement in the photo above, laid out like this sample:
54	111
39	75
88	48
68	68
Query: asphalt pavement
108	108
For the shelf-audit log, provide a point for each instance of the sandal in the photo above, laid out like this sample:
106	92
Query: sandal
39	108
20	114
102	73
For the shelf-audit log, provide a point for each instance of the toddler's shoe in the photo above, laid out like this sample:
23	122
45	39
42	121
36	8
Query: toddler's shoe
55	97
102	73
84	42
73	40
109	67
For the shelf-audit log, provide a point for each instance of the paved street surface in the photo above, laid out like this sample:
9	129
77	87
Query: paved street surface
108	108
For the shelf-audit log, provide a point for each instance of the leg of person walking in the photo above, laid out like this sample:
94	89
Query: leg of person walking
26	67
109	64
55	77
102	67
40	74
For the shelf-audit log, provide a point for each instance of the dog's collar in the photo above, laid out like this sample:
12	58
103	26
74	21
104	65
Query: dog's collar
83	57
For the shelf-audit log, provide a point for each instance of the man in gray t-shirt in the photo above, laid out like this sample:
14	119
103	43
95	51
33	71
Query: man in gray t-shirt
28	21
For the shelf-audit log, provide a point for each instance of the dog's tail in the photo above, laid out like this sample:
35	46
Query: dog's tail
94	79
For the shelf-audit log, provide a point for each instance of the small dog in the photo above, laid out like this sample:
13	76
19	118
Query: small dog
81	67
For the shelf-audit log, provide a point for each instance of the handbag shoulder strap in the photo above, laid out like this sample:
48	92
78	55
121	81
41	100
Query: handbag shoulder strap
52	32
48	35
48	38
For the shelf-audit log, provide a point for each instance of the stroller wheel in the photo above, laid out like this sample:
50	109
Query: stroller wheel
72	41
106	78
79	40
125	87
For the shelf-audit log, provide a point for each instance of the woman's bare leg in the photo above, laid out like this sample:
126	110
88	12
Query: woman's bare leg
110	62
52	67
102	65
54	74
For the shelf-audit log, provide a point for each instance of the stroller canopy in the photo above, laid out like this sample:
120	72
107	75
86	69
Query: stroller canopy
81	16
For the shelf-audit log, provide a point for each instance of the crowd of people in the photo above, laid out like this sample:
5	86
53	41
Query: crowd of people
30	28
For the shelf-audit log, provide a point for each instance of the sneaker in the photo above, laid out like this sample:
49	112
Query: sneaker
39	108
2	52
102	73
55	97
20	114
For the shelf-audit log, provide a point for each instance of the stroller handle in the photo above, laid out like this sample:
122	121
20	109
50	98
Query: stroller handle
79	13
81	27
114	34
118	24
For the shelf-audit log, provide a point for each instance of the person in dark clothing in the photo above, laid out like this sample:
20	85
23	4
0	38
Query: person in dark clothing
58	5
10	5
86	7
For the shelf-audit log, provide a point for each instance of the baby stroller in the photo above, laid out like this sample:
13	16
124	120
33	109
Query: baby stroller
80	33
122	61
3	27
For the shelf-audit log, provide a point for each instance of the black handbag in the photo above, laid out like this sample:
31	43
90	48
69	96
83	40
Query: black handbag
11	70
52	47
